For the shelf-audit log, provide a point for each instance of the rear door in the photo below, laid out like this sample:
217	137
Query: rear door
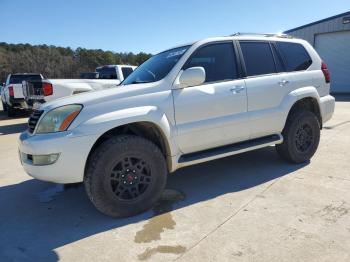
267	84
214	113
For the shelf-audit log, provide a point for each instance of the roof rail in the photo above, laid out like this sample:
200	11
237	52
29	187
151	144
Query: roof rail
282	35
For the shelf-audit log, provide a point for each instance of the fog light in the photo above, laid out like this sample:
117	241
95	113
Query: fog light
41	160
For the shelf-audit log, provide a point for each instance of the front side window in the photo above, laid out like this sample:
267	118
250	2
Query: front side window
218	61
258	58
294	55
157	67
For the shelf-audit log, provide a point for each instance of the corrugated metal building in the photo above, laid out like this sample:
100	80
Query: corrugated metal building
331	38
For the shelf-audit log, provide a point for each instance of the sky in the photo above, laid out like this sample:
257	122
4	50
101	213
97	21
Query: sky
151	25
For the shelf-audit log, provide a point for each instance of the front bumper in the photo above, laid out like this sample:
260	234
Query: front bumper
327	104
73	152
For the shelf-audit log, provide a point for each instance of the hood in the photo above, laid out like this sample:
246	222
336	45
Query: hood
95	97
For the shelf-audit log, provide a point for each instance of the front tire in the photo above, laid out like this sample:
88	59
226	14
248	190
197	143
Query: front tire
301	137
125	176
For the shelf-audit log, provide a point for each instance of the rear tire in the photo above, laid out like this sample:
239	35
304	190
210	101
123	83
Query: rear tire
10	111
125	176
4	106
301	136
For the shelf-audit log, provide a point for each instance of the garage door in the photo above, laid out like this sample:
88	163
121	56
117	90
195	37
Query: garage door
334	49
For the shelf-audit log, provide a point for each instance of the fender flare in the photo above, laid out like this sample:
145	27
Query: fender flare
296	95
111	120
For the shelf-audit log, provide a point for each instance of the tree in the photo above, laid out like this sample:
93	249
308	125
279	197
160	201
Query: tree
59	62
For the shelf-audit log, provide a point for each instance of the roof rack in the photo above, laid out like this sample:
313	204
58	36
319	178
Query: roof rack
282	35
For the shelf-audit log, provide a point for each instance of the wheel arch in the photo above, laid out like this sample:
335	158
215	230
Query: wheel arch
309	103
146	129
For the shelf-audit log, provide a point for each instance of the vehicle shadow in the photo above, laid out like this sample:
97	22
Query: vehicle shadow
13	129
18	114
342	97
32	230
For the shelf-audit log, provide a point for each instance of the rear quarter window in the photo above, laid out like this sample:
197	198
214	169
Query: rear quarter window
294	55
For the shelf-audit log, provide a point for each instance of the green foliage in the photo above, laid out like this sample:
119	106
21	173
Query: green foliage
59	62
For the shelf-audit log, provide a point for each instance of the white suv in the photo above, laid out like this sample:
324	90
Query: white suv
193	103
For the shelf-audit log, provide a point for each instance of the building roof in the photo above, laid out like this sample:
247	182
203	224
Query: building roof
318	22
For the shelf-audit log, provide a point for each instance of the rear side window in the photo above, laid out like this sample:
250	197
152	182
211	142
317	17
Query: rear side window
218	60
107	73
17	79
258	58
127	71
295	57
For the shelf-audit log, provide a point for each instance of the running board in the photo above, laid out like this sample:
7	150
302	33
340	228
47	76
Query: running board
232	149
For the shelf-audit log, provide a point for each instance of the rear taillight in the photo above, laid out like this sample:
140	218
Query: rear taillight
47	89
11	93
327	75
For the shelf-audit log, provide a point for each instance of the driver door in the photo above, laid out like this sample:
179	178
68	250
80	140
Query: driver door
214	113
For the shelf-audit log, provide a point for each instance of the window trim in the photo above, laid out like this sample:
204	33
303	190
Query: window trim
277	56
236	61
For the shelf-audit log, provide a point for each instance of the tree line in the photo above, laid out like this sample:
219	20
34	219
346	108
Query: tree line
59	62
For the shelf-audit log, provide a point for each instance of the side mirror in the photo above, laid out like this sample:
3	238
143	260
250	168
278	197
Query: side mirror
192	76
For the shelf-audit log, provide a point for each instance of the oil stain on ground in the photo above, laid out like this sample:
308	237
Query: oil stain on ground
162	219
161	249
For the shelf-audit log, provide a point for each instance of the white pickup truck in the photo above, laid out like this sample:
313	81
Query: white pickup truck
12	96
37	92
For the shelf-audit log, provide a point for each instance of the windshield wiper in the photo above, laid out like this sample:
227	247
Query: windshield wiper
139	82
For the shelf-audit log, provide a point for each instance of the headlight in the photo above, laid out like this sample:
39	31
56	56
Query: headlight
58	119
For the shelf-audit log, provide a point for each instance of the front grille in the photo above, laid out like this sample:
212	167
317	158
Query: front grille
33	120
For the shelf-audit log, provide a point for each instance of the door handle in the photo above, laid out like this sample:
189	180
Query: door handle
283	82
237	89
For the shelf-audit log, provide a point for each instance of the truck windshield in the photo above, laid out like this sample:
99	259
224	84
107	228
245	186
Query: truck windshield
157	67
17	79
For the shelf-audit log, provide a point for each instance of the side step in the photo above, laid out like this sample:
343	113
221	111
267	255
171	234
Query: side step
231	149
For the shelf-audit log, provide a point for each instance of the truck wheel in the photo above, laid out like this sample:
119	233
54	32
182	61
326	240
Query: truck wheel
301	136
10	111
125	176
4	106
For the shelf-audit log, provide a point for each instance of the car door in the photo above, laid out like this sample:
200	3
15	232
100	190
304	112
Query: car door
267	84
214	113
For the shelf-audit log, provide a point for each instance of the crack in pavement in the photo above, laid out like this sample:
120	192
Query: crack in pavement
229	218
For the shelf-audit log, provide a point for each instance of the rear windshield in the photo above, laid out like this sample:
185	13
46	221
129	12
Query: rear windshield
89	75
106	73
17	79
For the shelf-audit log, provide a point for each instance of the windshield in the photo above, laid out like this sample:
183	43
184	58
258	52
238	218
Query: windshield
157	67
